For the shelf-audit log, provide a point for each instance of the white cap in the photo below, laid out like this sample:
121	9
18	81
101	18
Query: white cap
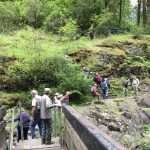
34	92
57	94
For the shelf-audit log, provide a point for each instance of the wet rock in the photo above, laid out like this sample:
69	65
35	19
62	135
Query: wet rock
144	118
144	101
128	115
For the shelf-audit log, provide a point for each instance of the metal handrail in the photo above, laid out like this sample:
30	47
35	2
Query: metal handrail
19	104
58	121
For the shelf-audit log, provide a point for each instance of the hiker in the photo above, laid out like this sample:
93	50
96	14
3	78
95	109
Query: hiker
46	115
135	84
65	99
104	88
25	123
36	118
98	79
108	86
94	91
86	70
125	86
57	99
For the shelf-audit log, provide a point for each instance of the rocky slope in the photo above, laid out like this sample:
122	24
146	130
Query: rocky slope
125	119
117	57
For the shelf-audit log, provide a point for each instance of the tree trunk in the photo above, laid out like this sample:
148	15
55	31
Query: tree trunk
139	13
120	12
144	13
148	12
106	3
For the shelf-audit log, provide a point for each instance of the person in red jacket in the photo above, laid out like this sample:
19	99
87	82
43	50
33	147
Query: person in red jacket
98	79
94	91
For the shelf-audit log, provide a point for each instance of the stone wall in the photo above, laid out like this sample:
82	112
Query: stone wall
2	129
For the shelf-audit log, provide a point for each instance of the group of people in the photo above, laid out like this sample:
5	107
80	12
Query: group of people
134	82
100	83
41	115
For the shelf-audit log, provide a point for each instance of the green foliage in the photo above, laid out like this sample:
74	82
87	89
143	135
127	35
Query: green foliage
144	143
54	21
70	29
9	16
102	22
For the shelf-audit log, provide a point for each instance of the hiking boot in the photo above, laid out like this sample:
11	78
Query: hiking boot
49	143
42	141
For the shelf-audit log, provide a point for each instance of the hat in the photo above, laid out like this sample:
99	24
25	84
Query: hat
34	92
57	94
60	96
68	93
47	90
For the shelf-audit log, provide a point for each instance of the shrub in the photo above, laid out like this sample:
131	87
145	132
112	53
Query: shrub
55	72
70	29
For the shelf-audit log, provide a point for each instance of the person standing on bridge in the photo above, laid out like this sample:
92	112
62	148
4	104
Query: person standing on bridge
46	115
25	123
36	118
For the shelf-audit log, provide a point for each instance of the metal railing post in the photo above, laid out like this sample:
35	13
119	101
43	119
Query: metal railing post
21	121
11	131
60	125
55	121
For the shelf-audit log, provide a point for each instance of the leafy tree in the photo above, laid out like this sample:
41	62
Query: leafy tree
70	28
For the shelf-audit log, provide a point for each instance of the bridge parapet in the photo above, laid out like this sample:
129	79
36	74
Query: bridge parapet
91	137
2	129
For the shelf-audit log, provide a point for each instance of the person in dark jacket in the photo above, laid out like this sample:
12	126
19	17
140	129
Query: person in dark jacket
25	123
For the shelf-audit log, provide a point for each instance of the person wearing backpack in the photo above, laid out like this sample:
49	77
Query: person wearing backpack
98	79
135	84
36	118
25	123
104	88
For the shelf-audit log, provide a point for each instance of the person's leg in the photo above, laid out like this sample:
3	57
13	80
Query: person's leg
32	129
41	127
25	133
48	131
19	133
136	88
44	131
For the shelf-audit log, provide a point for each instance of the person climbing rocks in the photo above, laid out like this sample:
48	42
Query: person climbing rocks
86	71
46	116
104	88
98	79
125	86
108	86
25	123
36	118
95	93
135	84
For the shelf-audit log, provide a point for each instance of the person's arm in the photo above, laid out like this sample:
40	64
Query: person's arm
17	118
138	82
49	103
33	112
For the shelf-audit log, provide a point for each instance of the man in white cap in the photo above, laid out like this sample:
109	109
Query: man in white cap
36	118
46	115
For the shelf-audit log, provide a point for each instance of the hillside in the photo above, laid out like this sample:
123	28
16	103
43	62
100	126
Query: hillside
31	58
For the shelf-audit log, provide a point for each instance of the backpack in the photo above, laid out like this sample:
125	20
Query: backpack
104	86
